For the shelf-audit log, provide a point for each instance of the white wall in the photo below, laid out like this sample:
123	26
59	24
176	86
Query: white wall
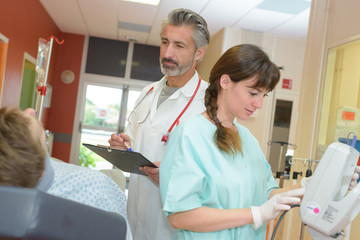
212	54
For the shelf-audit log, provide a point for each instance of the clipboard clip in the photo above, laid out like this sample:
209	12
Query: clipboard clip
108	147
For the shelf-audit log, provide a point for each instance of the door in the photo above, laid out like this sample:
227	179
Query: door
280	137
105	111
281	144
28	86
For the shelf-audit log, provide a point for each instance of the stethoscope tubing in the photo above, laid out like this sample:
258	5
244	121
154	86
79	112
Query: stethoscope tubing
166	136
147	93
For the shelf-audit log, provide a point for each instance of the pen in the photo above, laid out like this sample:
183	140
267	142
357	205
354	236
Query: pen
126	145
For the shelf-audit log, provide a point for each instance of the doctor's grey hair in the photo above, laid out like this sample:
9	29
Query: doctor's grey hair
182	16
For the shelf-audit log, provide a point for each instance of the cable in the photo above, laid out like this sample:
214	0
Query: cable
279	220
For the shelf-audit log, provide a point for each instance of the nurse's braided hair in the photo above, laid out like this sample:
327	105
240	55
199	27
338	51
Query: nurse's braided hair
182	16
240	62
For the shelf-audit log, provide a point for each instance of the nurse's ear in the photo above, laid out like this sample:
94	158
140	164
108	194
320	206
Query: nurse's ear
225	81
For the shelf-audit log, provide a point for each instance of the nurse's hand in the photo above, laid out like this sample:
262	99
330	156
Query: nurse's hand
277	203
354	180
118	141
152	172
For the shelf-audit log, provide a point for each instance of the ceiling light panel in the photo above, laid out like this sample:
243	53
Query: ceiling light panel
149	2
196	6
134	27
284	6
296	26
253	20
126	12
234	9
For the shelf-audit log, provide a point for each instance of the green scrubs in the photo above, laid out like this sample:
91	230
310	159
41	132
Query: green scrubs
195	173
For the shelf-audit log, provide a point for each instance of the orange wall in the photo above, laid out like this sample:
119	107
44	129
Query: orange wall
23	22
3	53
61	113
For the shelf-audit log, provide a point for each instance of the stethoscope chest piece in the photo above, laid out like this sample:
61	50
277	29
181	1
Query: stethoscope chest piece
165	138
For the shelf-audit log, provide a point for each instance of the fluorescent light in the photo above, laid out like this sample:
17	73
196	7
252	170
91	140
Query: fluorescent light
134	27
150	2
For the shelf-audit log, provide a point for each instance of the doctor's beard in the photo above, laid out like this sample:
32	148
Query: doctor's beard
176	70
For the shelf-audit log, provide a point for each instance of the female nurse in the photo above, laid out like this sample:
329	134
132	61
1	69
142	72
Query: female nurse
215	182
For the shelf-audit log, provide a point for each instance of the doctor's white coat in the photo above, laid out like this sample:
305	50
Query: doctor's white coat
147	125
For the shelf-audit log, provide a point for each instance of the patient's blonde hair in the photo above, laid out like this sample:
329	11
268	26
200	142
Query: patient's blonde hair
22	155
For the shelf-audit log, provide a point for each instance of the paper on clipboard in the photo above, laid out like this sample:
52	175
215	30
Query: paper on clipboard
125	160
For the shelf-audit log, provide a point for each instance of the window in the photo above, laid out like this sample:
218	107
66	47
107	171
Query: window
106	57
340	114
145	64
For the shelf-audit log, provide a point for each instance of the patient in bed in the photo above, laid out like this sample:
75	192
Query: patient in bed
25	162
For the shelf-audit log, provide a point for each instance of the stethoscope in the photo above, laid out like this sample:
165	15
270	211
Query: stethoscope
132	112
165	137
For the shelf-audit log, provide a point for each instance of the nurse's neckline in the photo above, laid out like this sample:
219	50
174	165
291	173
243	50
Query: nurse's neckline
231	124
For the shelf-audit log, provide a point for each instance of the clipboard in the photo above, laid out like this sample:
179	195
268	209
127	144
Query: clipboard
125	160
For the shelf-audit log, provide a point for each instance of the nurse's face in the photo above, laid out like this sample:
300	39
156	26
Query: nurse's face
177	50
241	99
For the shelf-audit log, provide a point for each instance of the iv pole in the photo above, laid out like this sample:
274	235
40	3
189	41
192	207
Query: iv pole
278	173
42	70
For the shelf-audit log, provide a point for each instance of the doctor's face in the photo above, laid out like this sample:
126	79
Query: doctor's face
177	50
242	99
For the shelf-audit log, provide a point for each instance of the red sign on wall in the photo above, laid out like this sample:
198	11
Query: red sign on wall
287	83
346	115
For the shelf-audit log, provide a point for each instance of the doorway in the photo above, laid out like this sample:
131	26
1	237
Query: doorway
104	100
282	139
28	85
280	136
102	116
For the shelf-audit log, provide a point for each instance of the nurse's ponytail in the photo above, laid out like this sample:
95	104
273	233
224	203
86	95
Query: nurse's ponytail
226	139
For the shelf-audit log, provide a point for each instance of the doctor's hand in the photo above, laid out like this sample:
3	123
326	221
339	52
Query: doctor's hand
152	172
277	203
119	140
305	181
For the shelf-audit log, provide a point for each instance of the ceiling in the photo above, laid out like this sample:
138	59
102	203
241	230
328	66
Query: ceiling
122	20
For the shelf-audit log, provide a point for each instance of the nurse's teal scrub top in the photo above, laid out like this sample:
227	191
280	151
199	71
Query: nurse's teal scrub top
195	173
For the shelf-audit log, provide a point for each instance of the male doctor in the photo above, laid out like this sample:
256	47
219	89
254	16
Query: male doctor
158	110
